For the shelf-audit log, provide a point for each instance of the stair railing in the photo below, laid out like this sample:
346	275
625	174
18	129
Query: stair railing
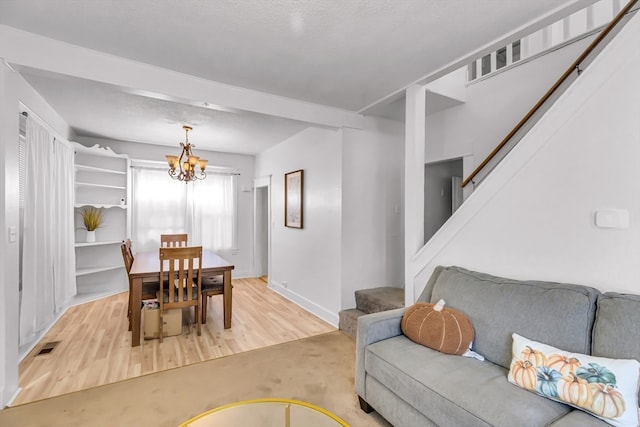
574	67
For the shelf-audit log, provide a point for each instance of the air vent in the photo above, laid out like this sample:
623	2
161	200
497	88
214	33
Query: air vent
48	348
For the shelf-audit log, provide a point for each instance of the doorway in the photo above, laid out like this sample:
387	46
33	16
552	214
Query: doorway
262	234
442	193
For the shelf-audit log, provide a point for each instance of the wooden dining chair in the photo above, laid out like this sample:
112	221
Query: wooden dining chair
211	285
149	287
181	286
173	240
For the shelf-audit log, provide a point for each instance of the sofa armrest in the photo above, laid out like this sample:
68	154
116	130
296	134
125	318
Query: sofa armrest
373	328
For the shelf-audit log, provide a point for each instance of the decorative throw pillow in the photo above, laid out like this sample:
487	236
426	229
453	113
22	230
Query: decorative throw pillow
606	388
434	326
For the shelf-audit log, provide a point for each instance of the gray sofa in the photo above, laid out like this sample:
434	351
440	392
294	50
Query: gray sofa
412	385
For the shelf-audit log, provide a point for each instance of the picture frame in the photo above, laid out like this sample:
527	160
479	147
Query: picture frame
293	198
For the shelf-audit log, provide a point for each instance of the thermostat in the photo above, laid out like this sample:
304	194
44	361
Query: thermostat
612	218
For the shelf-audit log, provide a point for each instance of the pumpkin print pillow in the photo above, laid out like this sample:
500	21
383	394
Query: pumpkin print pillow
606	388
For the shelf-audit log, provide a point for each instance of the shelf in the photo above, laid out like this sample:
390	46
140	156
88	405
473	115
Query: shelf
83	297
89	184
85	244
85	168
99	205
102	180
92	270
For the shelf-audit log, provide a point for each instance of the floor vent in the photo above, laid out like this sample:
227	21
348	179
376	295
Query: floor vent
48	348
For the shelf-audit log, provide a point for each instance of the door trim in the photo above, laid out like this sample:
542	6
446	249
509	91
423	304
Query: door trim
261	182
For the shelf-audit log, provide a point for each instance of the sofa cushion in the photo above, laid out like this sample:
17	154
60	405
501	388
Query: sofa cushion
454	390
387	404
605	387
616	332
555	313
578	418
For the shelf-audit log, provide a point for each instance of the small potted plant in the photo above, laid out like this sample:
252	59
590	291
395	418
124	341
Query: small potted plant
92	218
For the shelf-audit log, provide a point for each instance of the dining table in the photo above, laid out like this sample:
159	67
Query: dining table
147	265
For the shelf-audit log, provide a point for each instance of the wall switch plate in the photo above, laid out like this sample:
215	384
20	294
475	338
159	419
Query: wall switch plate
13	234
612	218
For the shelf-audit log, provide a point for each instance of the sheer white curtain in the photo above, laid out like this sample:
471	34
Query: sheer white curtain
206	210
159	207
212	222
48	272
64	256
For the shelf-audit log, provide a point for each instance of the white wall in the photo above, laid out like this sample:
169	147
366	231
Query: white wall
372	201
13	90
307	259
533	217
243	259
493	107
353	224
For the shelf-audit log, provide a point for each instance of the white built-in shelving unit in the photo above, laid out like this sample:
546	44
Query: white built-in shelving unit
101	181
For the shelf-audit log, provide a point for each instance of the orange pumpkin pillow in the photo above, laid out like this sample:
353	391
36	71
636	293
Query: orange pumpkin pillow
439	328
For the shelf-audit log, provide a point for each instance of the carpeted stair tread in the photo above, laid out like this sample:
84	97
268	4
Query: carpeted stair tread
348	321
375	300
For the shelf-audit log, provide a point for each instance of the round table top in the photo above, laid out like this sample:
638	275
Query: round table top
269	412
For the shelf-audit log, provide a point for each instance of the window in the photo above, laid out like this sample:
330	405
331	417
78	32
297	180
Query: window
501	57
473	71
21	189
206	210
486	65
515	51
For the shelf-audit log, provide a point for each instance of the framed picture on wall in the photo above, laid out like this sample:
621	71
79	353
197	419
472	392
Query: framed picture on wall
293	185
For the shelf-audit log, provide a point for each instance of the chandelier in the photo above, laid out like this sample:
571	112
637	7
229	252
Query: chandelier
183	168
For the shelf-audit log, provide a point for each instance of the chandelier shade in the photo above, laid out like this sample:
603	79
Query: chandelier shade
184	167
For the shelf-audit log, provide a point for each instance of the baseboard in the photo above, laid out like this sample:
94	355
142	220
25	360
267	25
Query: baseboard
25	349
310	306
13	397
241	274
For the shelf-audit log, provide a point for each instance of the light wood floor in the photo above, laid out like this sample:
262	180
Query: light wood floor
95	347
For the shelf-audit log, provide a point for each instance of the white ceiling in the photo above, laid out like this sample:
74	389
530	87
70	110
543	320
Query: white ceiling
101	110
347	55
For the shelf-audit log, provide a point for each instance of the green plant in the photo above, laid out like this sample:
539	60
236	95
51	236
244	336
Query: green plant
92	218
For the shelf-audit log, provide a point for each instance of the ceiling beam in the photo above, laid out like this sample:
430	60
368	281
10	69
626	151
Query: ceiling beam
35	51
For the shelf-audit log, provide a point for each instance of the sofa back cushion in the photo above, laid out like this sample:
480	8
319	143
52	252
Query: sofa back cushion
557	314
616	330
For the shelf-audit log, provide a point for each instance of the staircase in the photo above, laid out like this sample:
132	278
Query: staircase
370	301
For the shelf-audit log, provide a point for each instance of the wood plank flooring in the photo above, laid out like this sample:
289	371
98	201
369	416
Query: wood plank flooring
95	347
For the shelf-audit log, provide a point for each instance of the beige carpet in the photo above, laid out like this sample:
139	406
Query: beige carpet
318	370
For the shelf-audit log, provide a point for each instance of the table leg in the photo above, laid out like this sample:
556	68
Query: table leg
227	298
129	309
136	301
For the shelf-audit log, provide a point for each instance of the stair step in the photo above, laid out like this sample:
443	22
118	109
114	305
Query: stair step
379	299
348	321
369	301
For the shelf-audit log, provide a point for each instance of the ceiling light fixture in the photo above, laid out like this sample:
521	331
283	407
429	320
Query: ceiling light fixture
185	170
